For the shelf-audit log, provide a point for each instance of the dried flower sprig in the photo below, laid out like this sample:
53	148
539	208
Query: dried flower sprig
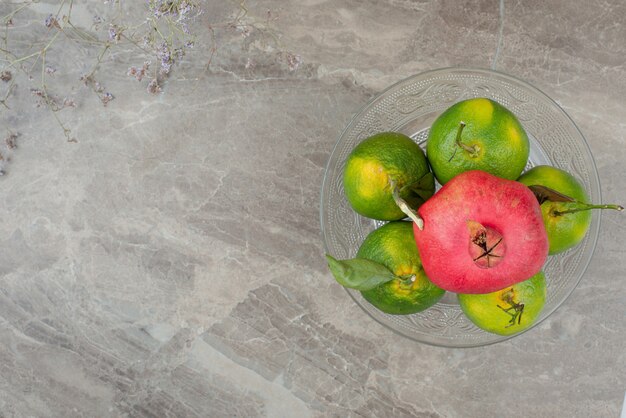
162	38
166	34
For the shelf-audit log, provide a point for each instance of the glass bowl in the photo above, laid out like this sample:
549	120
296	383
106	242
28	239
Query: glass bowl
410	106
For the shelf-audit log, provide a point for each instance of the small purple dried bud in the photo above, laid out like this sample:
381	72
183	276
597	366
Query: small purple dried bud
51	21
139	73
114	33
184	8
165	67
293	61
153	86
106	98
50	70
11	140
244	29
164	54
97	20
67	102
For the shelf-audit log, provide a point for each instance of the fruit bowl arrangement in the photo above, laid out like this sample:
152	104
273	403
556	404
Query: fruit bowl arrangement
456	207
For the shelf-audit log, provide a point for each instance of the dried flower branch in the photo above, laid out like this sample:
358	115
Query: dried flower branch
162	38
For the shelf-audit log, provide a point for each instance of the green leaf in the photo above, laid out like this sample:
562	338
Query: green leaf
543	193
359	273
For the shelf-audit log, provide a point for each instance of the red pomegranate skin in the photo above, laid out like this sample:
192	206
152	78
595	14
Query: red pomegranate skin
446	245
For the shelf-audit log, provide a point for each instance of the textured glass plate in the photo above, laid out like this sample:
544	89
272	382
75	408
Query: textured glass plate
410	107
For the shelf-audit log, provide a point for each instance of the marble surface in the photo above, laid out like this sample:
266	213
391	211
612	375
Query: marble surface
164	256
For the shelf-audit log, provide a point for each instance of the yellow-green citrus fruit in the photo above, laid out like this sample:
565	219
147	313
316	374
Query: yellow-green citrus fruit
378	163
564	230
393	246
507	311
492	140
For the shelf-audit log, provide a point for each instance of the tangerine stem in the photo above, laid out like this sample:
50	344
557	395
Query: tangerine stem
408	278
471	150
587	207
404	207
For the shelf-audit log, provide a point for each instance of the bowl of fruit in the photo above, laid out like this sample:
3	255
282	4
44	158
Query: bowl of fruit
458	207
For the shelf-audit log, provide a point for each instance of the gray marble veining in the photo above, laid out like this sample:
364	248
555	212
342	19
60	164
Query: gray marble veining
169	262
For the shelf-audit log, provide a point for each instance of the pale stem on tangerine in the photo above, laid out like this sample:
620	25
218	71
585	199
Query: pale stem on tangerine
404	206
